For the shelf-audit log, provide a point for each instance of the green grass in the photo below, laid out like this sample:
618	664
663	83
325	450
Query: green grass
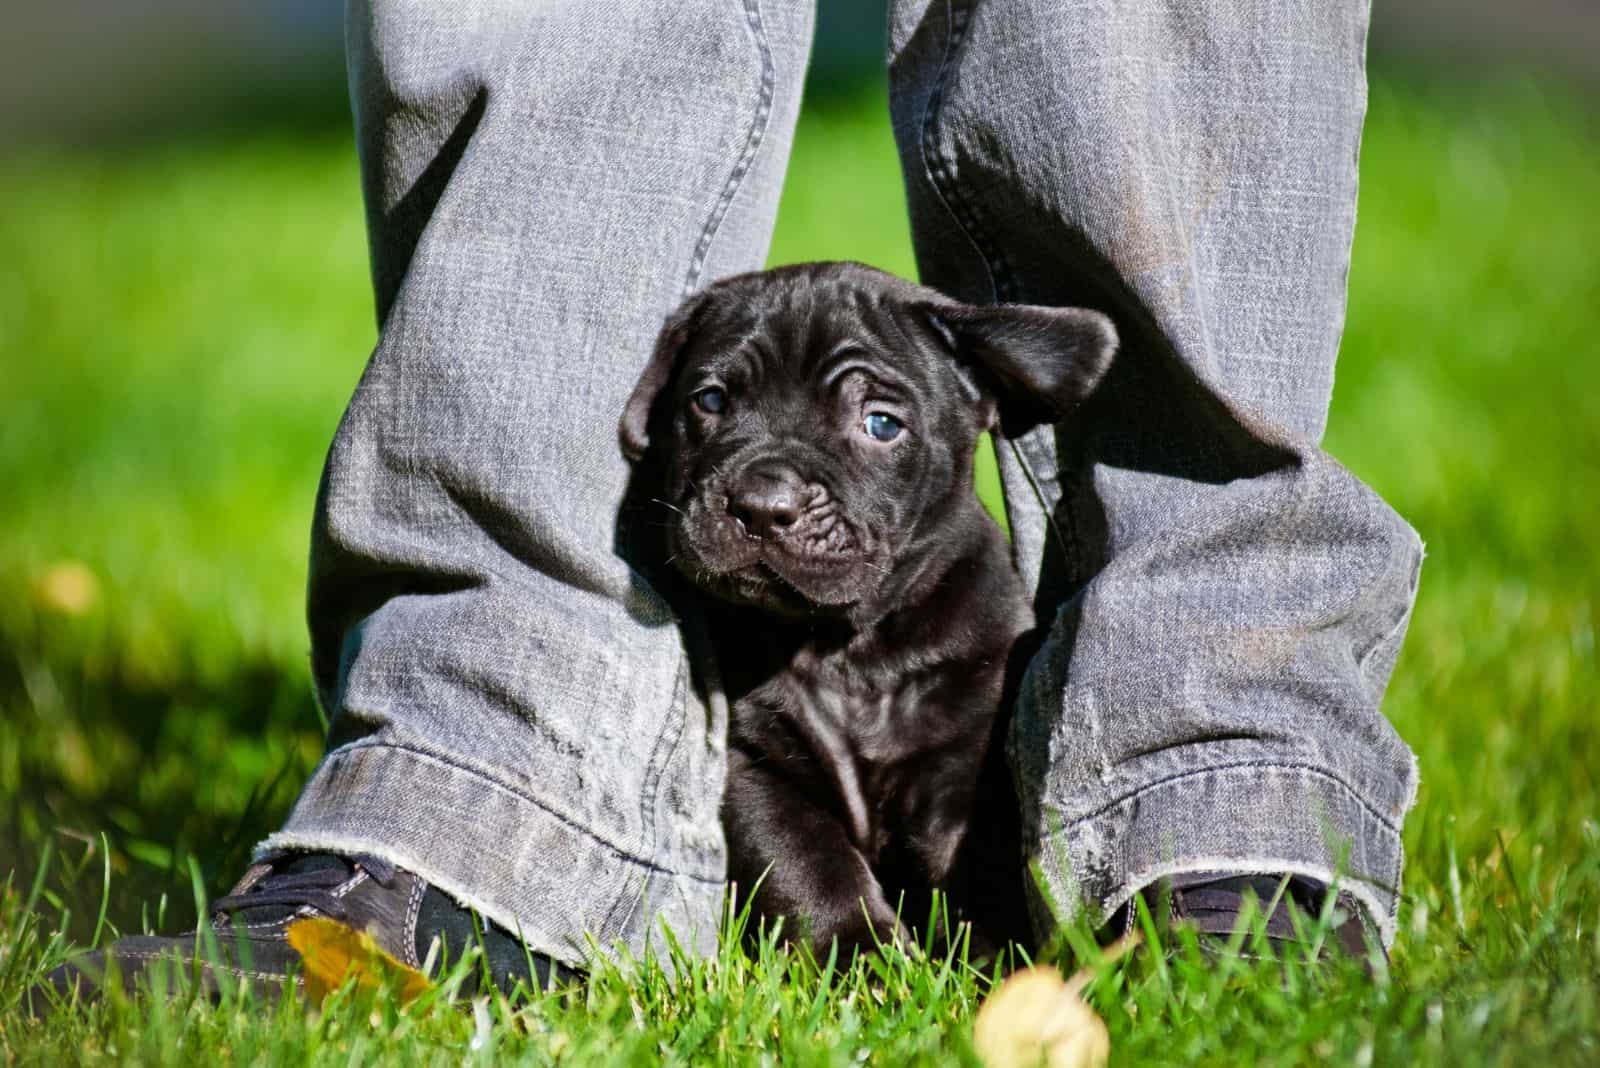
179	329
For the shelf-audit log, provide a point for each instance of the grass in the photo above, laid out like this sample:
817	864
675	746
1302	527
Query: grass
181	325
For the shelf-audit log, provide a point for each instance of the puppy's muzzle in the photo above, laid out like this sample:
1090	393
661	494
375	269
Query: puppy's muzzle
769	500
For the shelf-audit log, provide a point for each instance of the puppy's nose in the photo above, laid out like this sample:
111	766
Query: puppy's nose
768	500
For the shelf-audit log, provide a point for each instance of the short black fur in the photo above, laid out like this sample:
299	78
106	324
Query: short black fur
805	440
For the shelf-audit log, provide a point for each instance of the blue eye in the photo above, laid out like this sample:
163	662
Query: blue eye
712	401
881	426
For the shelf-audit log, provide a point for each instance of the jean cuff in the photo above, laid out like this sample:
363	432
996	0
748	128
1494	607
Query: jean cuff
564	890
1250	818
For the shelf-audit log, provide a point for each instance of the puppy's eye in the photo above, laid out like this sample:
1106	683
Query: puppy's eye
881	426
712	401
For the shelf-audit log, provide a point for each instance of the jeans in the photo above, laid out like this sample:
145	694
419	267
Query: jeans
513	712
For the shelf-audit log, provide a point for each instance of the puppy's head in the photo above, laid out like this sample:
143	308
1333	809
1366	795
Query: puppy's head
815	425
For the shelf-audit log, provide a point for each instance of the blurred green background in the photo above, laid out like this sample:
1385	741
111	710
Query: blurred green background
184	309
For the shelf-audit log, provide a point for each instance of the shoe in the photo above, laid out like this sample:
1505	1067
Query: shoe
401	911
1213	902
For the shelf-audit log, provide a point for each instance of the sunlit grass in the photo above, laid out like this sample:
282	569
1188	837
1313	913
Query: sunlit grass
179	330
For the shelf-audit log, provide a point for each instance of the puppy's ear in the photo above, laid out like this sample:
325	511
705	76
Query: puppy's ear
634	430
1044	360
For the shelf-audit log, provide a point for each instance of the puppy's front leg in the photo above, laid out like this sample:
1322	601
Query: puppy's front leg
807	868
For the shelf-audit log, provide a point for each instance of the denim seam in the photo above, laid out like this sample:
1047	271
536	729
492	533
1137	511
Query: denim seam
940	172
1402	616
1307	769
651	787
935	164
587	832
667	740
752	143
1360	30
1032	458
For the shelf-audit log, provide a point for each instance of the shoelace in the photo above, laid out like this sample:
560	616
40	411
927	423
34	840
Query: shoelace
305	889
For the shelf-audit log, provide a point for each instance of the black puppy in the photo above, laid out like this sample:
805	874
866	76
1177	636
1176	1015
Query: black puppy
812	431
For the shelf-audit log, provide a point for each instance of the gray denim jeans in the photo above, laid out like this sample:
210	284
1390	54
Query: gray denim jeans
513	714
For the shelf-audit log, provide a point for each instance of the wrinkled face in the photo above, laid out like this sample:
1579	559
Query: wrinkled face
816	432
815	425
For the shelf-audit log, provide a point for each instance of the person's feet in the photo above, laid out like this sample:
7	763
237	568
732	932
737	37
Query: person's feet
401	911
1213	904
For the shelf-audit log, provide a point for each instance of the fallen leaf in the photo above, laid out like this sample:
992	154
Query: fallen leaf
1037	1018
67	588
333	952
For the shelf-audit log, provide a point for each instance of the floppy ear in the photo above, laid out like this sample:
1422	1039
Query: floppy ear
634	430
1045	360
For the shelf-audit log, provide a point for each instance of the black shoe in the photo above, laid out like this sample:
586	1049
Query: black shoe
1213	902
402	912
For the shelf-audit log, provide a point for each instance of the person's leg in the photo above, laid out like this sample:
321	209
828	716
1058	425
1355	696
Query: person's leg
511	713
1223	601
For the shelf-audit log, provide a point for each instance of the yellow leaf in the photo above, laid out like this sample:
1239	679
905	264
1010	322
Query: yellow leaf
67	588
333	952
1035	1019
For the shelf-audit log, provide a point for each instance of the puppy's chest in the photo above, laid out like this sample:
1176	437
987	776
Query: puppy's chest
833	708
881	717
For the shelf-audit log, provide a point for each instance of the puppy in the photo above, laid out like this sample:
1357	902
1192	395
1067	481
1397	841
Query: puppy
807	435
